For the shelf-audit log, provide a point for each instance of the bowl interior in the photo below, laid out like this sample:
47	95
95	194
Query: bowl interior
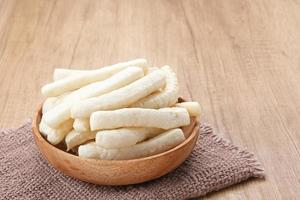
189	133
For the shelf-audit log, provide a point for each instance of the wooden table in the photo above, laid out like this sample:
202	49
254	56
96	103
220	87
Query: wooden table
239	59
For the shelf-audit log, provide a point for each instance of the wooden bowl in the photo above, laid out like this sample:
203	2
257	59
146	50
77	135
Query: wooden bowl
117	172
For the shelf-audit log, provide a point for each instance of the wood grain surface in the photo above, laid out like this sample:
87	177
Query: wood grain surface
239	59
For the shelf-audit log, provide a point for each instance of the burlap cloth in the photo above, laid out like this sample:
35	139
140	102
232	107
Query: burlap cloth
214	164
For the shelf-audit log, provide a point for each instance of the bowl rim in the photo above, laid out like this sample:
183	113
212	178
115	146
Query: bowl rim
194	133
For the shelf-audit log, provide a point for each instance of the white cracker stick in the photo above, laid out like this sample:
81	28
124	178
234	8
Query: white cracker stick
44	128
193	108
75	138
57	115
82	124
60	73
74	82
51	102
125	137
60	113
116	81
122	97
48	104
165	98
55	136
158	144
152	69
165	118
